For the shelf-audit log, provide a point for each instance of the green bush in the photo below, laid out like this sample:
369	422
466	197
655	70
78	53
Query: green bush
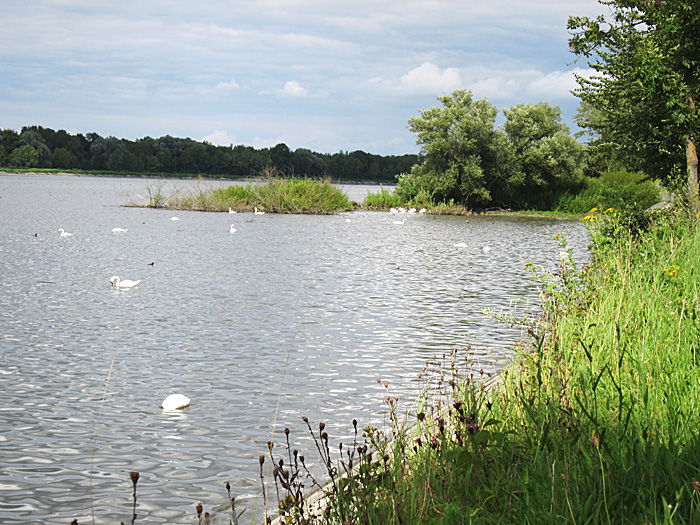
621	190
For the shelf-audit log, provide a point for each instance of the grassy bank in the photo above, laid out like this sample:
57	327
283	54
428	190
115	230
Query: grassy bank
595	421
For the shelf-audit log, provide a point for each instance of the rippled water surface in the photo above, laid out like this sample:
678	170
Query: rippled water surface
292	315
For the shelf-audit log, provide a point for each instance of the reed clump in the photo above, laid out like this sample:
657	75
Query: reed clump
273	193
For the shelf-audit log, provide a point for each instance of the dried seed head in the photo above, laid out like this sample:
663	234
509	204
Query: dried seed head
286	431
134	477
354	423
261	459
321	426
305	419
199	509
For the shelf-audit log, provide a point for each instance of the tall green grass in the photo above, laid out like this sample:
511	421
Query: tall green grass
277	195
595	420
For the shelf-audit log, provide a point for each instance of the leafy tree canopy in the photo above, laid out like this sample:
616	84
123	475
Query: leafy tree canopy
647	55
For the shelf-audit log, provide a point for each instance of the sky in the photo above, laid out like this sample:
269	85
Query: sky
325	75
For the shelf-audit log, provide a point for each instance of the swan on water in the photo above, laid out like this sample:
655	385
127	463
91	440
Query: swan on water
422	210
258	212
64	233
486	249
461	245
174	218
394	210
231	211
175	401
402	221
117	230
402	210
412	210
233	228
118	283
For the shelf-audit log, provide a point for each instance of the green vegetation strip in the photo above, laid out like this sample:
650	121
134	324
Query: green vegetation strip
277	195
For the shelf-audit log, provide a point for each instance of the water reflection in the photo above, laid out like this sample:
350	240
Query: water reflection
290	316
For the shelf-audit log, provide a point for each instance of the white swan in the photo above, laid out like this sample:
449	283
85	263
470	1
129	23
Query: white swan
422	210
174	218
461	245
117	230
486	249
402	210
175	401
402	221
118	283
412	210
258	212
233	228
231	211
394	210
64	233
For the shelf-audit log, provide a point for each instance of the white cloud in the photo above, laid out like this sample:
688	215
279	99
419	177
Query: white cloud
220	137
427	78
293	89
228	86
557	84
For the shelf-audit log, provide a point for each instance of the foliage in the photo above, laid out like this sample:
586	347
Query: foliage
457	157
623	191
172	156
276	194
648	69
24	157
465	159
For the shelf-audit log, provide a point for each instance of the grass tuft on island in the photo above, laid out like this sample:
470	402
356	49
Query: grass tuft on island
273	194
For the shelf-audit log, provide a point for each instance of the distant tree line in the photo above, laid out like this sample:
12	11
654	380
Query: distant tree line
39	147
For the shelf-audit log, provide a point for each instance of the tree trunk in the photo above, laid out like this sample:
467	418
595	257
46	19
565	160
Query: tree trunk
692	162
692	157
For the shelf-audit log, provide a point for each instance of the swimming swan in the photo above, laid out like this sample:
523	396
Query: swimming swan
117	230
64	233
402	221
175	401
231	211
233	228
258	212
118	283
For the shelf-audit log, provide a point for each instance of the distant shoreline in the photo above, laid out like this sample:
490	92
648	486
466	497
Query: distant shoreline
169	177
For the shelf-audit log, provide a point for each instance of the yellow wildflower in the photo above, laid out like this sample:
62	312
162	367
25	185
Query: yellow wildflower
588	218
557	235
529	265
610	210
593	210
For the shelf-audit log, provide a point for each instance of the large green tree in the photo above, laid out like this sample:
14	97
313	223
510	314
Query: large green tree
457	146
647	54
544	158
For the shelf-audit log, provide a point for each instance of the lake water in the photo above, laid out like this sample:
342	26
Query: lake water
291	316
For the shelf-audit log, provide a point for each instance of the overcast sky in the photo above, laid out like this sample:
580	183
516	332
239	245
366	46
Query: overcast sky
319	74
